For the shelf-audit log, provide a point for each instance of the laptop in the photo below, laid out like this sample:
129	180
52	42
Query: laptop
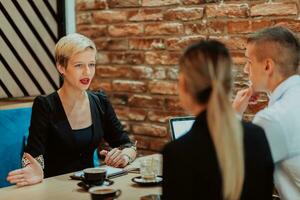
180	126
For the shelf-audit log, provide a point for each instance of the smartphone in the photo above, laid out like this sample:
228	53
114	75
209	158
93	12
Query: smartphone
152	197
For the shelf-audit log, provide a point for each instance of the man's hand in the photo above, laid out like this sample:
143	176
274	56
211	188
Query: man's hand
241	100
29	175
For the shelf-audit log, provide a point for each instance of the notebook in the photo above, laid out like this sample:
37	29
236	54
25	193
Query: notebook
180	126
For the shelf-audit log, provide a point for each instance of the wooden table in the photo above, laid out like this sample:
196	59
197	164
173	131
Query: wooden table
61	187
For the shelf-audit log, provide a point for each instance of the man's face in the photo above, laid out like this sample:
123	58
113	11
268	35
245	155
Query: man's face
255	69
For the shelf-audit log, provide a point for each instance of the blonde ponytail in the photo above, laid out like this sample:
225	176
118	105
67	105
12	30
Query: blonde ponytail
207	67
226	133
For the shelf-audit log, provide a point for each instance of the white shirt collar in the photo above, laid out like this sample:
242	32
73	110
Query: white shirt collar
283	87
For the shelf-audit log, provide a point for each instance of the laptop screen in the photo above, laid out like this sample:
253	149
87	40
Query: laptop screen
180	126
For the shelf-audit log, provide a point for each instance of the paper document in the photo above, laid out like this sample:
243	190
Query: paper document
110	172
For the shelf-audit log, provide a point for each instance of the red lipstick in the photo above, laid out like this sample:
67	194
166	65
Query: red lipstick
85	81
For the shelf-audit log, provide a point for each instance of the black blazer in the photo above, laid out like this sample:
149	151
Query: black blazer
50	133
191	170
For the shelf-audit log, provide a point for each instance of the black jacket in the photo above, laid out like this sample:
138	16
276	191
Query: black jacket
191	169
50	133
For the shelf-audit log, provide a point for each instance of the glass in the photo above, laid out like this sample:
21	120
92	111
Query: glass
149	168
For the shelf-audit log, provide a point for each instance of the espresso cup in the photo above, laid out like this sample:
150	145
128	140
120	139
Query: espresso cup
104	193
94	176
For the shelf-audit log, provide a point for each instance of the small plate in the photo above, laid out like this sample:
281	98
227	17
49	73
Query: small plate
139	180
87	186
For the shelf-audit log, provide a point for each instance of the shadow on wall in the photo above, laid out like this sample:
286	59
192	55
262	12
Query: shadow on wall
14	124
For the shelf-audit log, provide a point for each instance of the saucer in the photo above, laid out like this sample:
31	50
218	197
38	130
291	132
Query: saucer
139	180
87	186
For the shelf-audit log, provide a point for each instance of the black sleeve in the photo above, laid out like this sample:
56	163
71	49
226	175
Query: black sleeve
38	128
114	132
171	177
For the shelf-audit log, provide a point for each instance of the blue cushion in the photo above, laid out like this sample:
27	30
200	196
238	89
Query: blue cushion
14	124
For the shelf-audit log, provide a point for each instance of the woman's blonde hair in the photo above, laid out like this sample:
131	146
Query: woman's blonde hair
207	68
69	45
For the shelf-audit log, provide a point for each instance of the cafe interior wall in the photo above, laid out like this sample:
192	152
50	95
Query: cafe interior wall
139	43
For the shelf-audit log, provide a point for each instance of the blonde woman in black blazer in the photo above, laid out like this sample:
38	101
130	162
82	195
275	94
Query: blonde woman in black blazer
220	157
68	125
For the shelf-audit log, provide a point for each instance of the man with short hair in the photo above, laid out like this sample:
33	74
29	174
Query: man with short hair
272	65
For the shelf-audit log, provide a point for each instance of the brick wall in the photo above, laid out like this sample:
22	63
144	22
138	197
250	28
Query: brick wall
140	41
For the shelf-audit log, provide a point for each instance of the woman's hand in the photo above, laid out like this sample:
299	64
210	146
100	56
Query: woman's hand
31	174
115	158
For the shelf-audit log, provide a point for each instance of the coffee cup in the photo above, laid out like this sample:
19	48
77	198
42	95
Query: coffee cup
94	176
104	193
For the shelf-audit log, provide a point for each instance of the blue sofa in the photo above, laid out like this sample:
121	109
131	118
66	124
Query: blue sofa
14	124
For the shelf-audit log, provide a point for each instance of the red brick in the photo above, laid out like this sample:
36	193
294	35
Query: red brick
160	2
259	24
195	28
84	18
184	14
125	113
126	127
146	44
238	57
163	116
141	72
111	44
109	16
163	87
163	58
129	86
274	9
292	24
150	14
102	58
123	3
183	42
119	99
90	4
247	26
145	101
134	72
99	84
92	31
235	43
157	144
149	130
143	142
216	27
173	104
197	2
123	30
164	29
159	73
108	71
227	10
126	58
172	73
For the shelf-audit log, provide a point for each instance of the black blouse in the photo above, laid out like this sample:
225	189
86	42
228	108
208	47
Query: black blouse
50	133
191	169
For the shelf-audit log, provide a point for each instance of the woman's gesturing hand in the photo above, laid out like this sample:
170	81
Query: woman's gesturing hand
31	174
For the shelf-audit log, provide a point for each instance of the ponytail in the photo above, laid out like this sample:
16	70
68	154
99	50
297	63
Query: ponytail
226	133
